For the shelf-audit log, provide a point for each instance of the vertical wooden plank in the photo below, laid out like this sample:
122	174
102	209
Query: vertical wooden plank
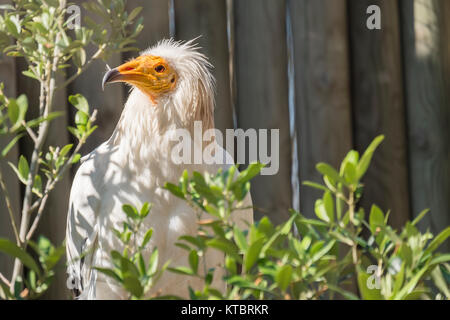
109	103
426	37
156	23
378	107
53	223
8	77
208	19
322	91
262	93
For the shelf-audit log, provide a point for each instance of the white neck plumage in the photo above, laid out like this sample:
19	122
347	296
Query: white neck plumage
142	131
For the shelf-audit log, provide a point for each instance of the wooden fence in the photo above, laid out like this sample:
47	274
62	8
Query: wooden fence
312	69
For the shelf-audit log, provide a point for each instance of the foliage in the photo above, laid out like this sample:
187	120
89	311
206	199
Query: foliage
309	258
41	272
130	269
43	33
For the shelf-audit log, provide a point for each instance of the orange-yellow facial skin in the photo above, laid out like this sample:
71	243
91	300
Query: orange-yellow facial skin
152	75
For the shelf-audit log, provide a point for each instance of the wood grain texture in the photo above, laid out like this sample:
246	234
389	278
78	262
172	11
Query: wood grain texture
8	77
208	19
322	89
378	107
426	28
53	222
109	103
156	23
262	94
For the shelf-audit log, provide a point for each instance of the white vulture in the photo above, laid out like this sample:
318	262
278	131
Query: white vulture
172	86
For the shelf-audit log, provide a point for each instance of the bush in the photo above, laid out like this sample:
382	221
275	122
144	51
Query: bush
38	31
301	258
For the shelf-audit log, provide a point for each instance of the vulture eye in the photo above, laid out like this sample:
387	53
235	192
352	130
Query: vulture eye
160	68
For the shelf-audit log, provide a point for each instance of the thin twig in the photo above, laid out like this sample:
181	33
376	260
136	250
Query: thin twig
30	132
95	56
3	278
37	218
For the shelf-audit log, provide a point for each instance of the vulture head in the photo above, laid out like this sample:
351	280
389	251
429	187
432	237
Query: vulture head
172	88
174	78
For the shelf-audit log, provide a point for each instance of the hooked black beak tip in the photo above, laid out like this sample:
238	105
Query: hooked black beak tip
110	76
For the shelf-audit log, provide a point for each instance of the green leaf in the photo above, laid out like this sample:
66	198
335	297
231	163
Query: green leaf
11	144
145	210
316	255
420	216
350	173
22	102
133	14
193	261
79	102
65	150
54	257
175	190
181	270
441	258
346	294
320	210
366	292
283	277
37	186
351	157
76	158
240	239
252	254
281	230
81	119
153	262
141	264
409	287
330	172
130	211
224	245
13	25
329	205
23	168
399	278
13	250
128	268
440	282
315	185
110	273
49	117
364	163
230	176
147	237
13	111
30	74
376	219
230	264
437	241
133	286
252	170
